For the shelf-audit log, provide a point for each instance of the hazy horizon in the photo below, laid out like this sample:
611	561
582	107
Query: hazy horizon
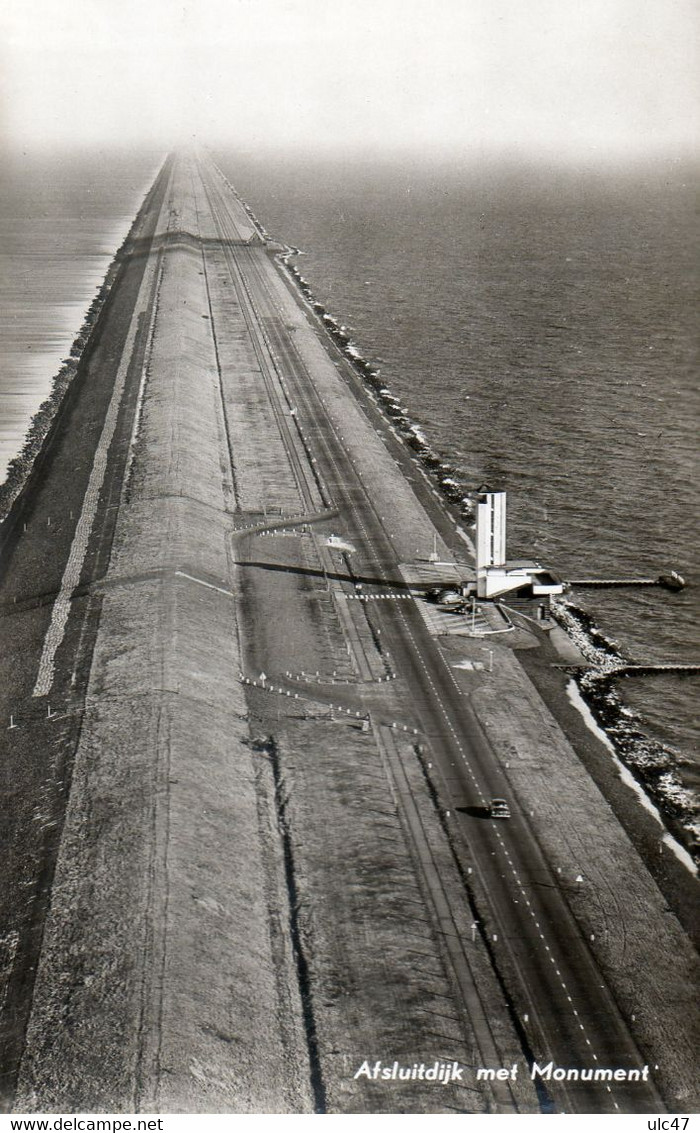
599	82
484	159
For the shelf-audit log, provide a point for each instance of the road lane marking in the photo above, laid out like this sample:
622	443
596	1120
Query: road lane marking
476	784
369	544
472	776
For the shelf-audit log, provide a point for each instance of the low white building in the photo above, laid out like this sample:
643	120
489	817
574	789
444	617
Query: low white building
495	574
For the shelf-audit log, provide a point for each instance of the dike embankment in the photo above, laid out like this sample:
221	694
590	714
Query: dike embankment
208	947
26	469
240	914
560	771
36	751
649	762
159	919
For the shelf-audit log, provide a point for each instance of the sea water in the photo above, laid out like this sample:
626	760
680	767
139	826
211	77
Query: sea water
539	325
62	217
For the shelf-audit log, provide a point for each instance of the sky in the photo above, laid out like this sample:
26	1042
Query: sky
573	78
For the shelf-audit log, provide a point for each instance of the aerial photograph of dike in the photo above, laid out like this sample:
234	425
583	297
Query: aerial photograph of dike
348	575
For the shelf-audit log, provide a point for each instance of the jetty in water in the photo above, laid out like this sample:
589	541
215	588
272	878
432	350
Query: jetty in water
671	581
650	668
225	883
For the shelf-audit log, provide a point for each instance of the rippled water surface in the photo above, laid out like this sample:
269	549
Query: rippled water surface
62	217
540	326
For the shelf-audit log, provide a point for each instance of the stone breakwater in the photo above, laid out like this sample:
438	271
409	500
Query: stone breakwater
446	478
652	763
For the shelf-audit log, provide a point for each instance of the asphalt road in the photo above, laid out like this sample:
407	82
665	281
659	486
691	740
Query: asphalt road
564	1004
565	1008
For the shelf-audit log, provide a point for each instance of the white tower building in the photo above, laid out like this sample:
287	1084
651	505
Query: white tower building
490	536
495	575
